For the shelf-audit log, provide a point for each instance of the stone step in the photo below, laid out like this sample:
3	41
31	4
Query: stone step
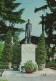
46	71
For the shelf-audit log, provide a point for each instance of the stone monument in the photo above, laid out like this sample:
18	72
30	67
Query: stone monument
27	49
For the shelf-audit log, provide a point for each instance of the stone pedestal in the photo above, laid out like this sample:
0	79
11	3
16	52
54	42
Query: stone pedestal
27	53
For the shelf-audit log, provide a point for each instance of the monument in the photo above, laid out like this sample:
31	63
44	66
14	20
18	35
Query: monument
28	32
27	49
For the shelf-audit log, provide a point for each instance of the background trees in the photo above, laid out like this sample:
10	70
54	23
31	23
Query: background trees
49	20
8	14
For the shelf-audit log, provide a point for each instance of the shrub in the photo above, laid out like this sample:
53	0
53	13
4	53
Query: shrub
2	63
22	69
1	50
16	50
7	52
3	80
51	63
41	53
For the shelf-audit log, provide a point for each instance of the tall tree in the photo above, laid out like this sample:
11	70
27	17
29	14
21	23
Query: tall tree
9	14
49	20
7	52
1	50
41	53
16	50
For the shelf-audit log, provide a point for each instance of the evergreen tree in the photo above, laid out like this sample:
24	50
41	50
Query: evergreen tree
9	14
51	4
1	50
49	20
7	52
16	50
41	53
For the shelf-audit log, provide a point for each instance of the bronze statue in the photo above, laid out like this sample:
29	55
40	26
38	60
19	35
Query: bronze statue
28	32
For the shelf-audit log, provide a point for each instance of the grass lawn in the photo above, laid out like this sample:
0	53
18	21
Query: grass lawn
3	80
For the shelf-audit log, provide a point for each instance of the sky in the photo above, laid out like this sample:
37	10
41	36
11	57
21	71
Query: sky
29	6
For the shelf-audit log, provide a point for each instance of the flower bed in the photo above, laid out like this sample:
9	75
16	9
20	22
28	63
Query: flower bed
52	66
2	67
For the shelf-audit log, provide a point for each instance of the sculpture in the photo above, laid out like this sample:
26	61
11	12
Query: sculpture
28	32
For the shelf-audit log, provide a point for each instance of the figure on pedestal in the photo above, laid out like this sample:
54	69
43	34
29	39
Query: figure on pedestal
28	30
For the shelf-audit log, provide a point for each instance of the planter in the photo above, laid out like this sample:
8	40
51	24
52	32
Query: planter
15	67
44	65
8	65
29	71
41	66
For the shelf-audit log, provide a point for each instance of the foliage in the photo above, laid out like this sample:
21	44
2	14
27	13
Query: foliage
3	80
8	13
16	49
51	63
51	4
22	69
49	20
1	50
41	8
2	63
3	67
50	54
30	65
7	52
41	53
49	27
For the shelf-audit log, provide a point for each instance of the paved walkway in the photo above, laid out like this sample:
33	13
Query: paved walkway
45	75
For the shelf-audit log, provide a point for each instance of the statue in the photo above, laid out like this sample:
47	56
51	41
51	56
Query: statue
28	32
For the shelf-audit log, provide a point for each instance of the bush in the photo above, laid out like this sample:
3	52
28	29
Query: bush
3	80
41	53
1	50
2	67
7	52
51	63
2	64
22	69
16	50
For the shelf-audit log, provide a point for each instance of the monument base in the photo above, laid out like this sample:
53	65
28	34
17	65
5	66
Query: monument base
27	54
